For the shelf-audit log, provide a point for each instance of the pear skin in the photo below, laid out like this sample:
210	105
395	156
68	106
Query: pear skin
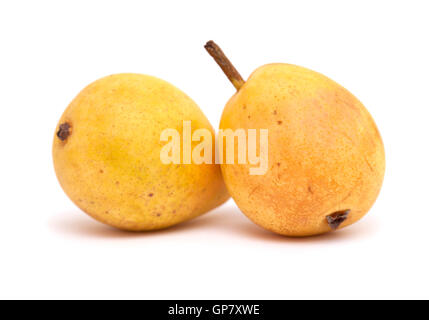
106	153
326	155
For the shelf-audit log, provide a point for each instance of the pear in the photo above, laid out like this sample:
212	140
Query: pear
326	158
107	148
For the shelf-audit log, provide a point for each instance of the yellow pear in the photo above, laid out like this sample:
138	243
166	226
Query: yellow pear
107	151
326	159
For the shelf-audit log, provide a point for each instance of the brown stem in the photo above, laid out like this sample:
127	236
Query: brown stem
227	67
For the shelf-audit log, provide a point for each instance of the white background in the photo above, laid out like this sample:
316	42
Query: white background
50	50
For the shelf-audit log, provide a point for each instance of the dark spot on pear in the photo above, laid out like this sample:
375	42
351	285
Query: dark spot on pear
337	218
64	131
150	194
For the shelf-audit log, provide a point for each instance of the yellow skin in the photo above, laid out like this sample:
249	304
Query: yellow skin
110	163
325	152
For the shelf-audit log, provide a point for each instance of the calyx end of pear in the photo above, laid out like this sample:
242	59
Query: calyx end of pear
337	218
64	131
